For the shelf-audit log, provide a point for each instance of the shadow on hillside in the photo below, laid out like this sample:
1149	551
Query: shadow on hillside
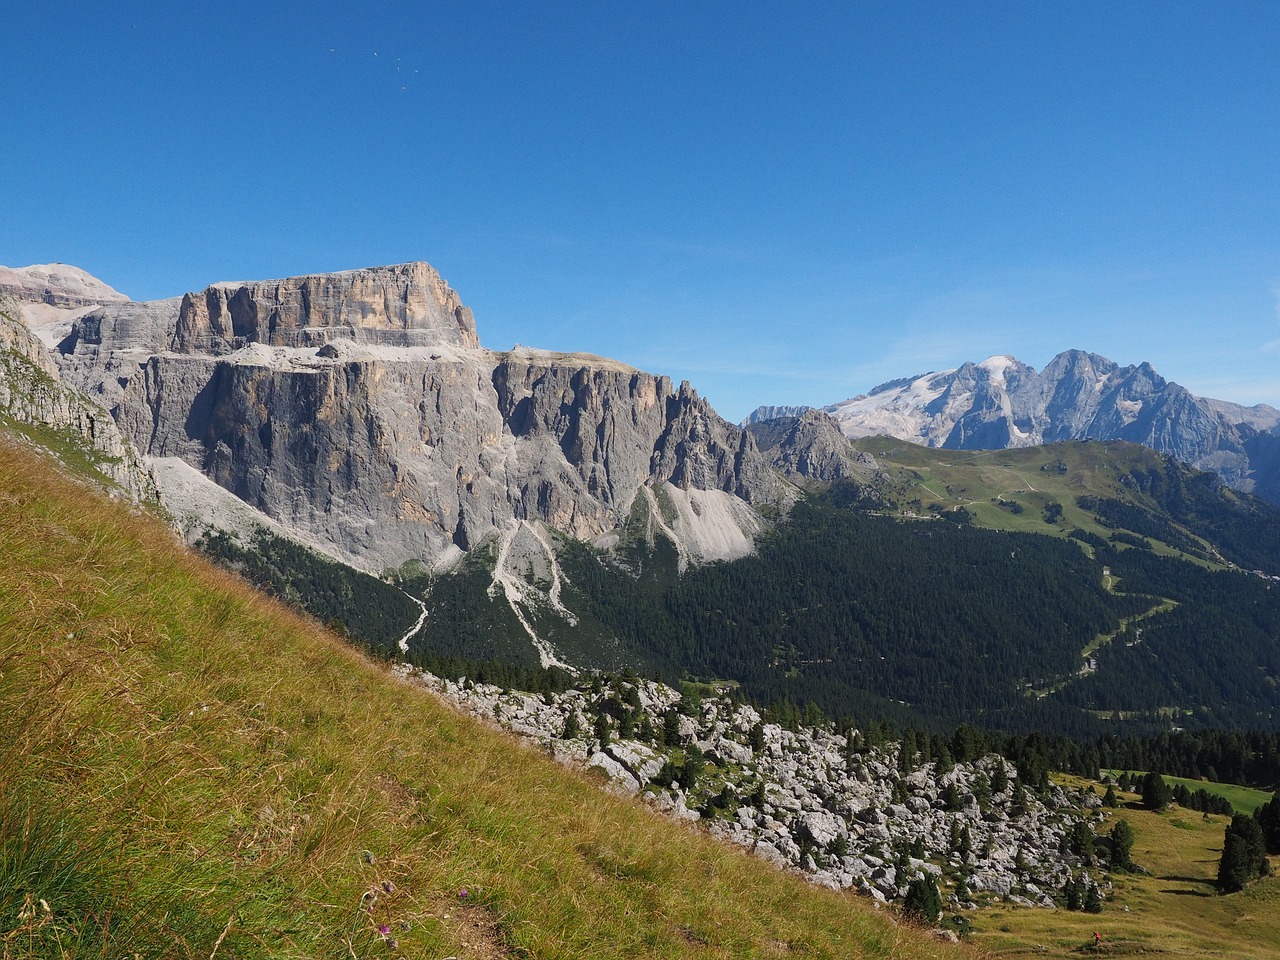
1173	878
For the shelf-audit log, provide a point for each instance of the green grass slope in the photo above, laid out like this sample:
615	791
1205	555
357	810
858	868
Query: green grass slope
190	770
1097	487
1169	908
988	483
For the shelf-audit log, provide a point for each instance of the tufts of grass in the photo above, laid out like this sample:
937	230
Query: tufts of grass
188	769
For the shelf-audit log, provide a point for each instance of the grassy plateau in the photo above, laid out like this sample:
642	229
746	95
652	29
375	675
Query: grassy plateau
188	769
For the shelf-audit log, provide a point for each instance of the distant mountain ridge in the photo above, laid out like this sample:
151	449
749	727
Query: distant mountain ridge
1001	403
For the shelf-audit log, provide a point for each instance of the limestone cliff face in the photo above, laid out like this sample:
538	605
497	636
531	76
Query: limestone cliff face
404	305
358	410
421	455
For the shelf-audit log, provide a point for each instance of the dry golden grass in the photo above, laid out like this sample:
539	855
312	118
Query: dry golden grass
188	769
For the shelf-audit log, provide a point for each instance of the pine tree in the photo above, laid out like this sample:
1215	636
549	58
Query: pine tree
923	900
1155	792
1092	899
1073	893
907	752
1234	868
952	798
1244	854
1121	845
1079	840
1111	800
1268	816
671	727
999	778
1019	798
570	725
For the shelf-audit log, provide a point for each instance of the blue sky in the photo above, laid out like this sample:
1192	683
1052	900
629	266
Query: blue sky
782	203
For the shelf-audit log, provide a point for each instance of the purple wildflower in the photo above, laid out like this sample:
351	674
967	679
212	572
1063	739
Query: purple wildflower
384	929
462	894
388	886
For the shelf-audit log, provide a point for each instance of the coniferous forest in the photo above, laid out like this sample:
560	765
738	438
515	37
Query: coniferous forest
926	623
920	624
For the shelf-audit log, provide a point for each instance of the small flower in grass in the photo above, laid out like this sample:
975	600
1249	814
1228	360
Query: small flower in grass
391	943
463	893
384	930
366	856
388	886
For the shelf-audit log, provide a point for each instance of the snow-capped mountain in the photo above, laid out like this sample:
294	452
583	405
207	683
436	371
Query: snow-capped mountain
1002	402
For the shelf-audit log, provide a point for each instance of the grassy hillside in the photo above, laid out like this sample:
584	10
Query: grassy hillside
1094	488
989	483
1242	799
189	770
1171	910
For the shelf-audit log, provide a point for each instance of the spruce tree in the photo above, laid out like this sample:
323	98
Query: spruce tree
1121	845
1244	854
1268	817
923	899
1155	792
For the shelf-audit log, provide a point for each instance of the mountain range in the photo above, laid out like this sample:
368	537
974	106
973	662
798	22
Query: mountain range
1001	403
559	509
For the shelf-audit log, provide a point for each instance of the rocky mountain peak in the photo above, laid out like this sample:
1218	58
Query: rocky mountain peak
1001	402
810	448
773	412
403	305
56	285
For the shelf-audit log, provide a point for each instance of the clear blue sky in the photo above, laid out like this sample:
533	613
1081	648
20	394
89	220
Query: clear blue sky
783	203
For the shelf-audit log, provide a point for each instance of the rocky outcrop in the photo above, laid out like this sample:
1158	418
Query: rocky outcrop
1002	402
846	814
60	418
395	458
404	305
763	413
358	411
55	285
811	448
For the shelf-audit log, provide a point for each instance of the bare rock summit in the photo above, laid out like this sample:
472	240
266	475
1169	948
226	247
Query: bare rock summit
359	411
